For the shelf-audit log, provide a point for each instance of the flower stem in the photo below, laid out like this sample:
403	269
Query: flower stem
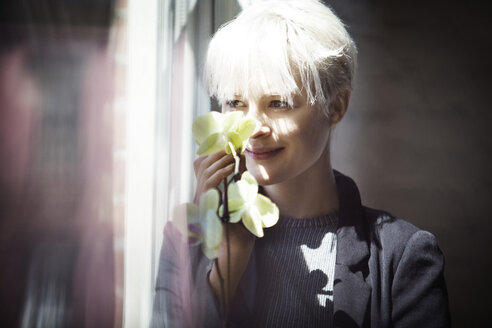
225	220
228	269
225	214
222	289
236	158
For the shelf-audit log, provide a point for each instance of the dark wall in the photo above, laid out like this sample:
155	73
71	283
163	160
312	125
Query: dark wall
417	137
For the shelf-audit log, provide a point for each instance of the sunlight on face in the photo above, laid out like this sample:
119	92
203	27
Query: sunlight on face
263	173
289	140
283	126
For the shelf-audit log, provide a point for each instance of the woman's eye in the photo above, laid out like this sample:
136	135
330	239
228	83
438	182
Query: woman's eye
278	104
236	104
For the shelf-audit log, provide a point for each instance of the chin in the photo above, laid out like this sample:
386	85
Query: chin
263	182
259	178
262	176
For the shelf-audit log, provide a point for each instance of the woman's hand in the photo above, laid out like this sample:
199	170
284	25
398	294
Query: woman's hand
211	170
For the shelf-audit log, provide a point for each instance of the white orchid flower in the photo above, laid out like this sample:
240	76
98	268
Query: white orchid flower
230	131
256	210
215	131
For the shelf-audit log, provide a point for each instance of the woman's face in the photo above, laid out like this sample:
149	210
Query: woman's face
289	141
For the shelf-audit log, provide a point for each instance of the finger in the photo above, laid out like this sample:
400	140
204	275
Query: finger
212	178
213	158
221	163
203	162
219	175
197	162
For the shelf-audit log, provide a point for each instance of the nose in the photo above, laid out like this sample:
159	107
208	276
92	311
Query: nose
262	128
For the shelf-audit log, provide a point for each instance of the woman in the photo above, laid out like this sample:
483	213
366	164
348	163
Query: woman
329	261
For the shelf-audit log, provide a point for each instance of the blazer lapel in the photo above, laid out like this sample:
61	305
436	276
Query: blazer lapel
351	292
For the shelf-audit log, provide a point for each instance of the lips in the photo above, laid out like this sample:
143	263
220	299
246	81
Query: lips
262	153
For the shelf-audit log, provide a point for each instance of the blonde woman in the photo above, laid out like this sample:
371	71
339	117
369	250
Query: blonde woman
329	261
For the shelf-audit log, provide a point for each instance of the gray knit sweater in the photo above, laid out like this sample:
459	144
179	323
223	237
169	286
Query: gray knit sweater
296	266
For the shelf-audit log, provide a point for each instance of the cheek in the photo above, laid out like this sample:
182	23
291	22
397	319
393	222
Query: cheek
317	135
311	137
284	128
303	131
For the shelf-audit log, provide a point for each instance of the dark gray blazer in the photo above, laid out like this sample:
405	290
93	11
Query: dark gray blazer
388	273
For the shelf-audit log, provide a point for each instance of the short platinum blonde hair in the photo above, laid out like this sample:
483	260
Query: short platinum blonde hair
279	48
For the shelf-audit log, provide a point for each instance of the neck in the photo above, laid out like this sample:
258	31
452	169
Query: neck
312	193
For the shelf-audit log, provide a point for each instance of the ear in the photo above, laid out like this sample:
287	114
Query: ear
338	106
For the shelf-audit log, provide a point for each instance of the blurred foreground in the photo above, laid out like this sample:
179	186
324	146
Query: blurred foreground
56	228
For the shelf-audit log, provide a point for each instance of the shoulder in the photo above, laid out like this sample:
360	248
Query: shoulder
409	267
396	239
390	230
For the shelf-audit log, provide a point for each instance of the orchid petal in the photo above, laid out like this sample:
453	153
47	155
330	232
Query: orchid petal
234	138
245	129
192	213
249	178
235	204
205	125
252	221
194	228
235	199
194	234
268	211
210	252
212	229
248	187
247	191
231	120
235	217
209	201
214	143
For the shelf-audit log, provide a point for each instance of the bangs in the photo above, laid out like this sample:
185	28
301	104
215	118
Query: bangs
250	63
